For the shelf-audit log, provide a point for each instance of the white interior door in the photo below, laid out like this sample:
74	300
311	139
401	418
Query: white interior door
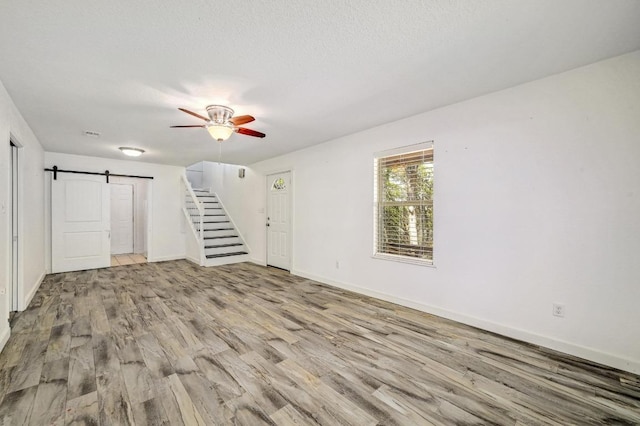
121	218
279	220
80	225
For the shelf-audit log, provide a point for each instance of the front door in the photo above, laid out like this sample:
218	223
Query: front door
279	220
121	218
80	225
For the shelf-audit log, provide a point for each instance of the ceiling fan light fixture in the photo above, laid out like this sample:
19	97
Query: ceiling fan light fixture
131	152
220	132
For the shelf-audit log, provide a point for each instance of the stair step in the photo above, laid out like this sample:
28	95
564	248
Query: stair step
224	236
216	221
237	253
223	245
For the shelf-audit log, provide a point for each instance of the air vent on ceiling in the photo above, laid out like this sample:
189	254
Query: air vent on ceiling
92	134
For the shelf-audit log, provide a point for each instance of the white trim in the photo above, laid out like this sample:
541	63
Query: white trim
404	259
4	337
404	149
261	262
611	360
193	260
166	258
32	293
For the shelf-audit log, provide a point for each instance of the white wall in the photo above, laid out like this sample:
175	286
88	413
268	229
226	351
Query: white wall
194	175
537	200
32	267
166	240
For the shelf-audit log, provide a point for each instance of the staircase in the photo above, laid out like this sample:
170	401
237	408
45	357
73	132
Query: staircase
217	238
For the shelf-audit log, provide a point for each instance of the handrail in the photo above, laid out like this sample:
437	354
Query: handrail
192	194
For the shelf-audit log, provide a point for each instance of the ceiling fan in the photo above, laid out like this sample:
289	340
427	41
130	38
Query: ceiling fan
221	122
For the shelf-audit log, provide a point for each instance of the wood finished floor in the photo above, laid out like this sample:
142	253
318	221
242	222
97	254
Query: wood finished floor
172	343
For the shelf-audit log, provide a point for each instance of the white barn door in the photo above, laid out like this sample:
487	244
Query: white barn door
121	218
80	223
279	220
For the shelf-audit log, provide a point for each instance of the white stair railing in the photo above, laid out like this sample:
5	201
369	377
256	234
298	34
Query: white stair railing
194	212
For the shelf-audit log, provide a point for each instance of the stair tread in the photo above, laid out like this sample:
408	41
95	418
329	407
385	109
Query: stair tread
223	245
222	229
238	253
224	236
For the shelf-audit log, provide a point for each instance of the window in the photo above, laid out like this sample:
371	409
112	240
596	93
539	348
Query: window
278	184
404	204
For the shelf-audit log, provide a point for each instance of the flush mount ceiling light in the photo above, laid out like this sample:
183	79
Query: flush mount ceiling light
131	152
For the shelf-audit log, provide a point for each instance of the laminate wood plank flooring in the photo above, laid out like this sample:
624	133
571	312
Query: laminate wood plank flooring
173	343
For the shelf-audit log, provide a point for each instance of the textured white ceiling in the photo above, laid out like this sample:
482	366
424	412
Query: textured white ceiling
308	70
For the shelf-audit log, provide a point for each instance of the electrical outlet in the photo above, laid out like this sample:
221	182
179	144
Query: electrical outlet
558	310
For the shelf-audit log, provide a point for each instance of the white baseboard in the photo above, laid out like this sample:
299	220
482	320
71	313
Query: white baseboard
4	335
193	260
166	258
632	366
33	291
257	261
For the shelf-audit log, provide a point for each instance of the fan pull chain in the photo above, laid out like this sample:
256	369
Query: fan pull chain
219	152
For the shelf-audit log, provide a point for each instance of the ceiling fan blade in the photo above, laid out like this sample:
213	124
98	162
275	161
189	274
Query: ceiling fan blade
249	132
241	119
191	125
195	114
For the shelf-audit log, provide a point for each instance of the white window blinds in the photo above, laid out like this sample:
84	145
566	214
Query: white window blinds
404	204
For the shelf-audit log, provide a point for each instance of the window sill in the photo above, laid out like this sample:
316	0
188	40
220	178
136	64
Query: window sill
404	259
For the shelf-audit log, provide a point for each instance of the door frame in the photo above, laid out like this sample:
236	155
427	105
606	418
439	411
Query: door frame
133	214
291	215
146	210
15	288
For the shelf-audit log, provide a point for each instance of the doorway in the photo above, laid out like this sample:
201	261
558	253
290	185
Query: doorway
279	193
121	218
15	227
129	220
